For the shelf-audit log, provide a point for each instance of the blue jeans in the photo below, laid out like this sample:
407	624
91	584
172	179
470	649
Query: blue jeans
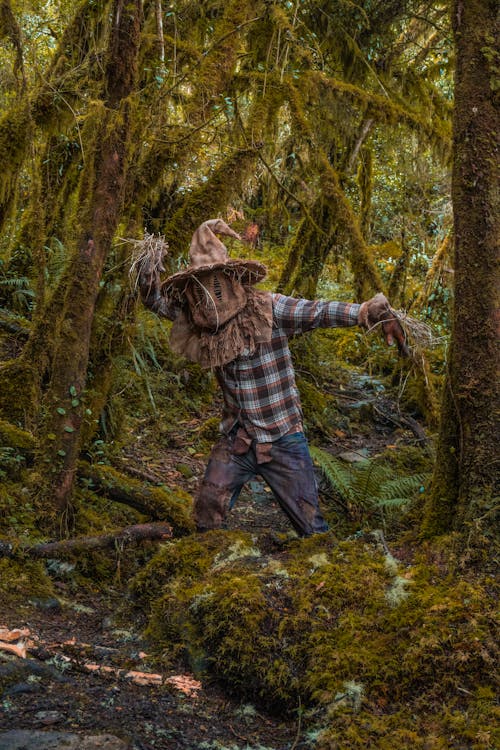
289	473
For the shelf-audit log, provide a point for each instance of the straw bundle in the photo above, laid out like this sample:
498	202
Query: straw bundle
148	255
418	334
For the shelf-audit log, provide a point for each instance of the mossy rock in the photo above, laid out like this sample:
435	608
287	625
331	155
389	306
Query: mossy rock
341	628
22	580
185	470
15	437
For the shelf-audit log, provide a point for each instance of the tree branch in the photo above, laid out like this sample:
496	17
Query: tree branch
139	533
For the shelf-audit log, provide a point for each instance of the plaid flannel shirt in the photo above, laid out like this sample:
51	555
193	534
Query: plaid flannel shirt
259	390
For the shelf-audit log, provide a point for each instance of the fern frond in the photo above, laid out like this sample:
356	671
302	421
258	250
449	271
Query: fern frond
368	484
57	258
335	472
403	486
367	480
393	502
15	282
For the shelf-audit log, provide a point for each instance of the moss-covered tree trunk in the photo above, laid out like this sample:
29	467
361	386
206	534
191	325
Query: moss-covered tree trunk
308	253
98	212
330	214
463	487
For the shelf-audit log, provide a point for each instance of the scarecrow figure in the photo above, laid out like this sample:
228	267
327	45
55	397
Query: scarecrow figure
222	322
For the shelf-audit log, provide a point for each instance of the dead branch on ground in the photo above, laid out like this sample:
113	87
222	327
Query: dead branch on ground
142	532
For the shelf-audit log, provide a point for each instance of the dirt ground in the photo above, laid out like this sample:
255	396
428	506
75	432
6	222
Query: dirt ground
47	694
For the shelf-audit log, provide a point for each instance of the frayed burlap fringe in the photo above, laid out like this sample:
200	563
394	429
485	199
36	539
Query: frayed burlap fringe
242	334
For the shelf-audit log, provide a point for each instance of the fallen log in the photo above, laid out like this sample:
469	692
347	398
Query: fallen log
159	503
14	324
406	422
142	532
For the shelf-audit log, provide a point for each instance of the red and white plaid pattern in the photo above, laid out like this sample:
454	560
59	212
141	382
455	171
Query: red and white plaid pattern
259	390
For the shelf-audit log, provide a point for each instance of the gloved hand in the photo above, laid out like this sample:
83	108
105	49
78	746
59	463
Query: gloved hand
146	273
377	310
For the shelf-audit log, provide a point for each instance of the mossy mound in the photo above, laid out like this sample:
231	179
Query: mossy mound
21	581
371	647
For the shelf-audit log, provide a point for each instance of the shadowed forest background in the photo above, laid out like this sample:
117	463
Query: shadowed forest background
355	146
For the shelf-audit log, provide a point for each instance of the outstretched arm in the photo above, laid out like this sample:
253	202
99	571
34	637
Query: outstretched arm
300	315
296	316
152	297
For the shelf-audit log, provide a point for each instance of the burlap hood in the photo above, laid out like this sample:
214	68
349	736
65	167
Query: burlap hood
221	315
240	335
207	253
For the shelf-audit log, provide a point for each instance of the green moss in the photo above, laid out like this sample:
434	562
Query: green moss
165	503
18	390
191	560
15	128
315	404
17	511
321	624
209	430
21	580
430	730
16	446
15	437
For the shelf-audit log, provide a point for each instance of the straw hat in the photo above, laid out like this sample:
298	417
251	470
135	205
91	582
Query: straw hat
208	254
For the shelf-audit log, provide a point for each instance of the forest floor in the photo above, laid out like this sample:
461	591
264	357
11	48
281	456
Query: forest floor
53	701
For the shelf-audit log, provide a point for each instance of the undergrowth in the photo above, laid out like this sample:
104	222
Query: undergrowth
369	490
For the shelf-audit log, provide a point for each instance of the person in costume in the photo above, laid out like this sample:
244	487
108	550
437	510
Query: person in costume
224	323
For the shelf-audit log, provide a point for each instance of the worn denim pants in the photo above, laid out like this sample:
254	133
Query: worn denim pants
289	474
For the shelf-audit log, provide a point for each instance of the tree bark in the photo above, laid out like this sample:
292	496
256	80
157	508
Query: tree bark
331	213
138	533
465	475
100	202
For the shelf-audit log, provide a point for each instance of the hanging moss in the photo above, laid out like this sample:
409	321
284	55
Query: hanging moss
314	240
208	200
10	28
384	109
331	213
219	60
15	134
365	182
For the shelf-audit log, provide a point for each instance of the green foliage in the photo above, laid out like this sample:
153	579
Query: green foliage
17	293
368	485
17	512
11	461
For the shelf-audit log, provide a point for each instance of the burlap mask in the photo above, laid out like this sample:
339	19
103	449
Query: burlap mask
214	298
222	315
